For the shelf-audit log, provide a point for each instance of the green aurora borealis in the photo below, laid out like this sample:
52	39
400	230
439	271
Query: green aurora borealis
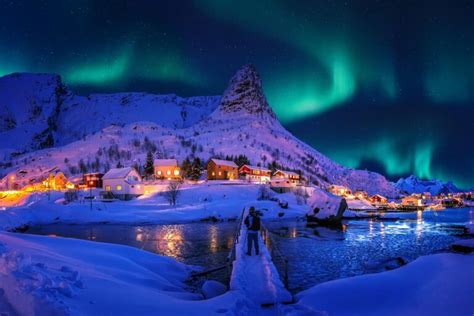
372	84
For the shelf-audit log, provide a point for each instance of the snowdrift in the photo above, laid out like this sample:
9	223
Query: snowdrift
440	284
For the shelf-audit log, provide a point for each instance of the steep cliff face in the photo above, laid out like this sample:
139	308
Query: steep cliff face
245	95
100	130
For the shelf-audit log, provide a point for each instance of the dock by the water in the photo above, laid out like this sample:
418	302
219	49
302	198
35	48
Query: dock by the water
256	276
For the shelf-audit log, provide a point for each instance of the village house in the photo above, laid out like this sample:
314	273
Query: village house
167	169
412	200
289	175
282	185
426	196
77	182
378	199
56	180
255	174
339	190
361	195
222	170
15	180
93	180
123	183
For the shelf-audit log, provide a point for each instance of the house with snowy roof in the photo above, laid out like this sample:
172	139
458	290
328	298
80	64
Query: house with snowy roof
167	169
218	169
339	190
123	183
255	174
56	180
293	177
378	199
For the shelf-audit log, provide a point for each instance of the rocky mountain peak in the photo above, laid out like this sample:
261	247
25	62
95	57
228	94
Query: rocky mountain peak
245	94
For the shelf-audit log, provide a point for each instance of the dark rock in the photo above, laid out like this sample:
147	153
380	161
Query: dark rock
385	265
283	204
212	288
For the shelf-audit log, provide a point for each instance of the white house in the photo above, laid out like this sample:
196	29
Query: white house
124	183
288	175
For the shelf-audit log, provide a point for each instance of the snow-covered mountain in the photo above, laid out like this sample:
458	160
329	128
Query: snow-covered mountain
412	184
97	131
38	111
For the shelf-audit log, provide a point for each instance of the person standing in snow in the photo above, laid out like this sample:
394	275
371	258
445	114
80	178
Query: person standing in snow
252	221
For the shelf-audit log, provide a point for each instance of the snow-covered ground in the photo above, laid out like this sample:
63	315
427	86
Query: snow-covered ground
441	284
61	276
45	276
196	202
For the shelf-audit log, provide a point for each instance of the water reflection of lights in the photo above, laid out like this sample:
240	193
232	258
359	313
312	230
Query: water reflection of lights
371	228
293	232
419	224
170	241
91	235
382	229
344	228
214	240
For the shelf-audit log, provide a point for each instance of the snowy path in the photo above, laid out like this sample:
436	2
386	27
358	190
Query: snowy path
257	276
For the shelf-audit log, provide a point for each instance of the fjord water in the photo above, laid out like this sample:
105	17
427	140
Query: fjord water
316	254
319	254
199	244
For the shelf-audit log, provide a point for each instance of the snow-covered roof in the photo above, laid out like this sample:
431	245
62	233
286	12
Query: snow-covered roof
165	162
256	168
118	173
224	163
378	195
288	172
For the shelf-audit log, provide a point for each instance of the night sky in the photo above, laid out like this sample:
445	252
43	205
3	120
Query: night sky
382	85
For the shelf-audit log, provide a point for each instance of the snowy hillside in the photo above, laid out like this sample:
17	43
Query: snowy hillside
412	184
41	112
96	132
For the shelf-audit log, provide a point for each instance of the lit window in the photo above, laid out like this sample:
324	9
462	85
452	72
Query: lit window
176	172
118	187
213	173
91	182
159	172
107	188
168	172
220	173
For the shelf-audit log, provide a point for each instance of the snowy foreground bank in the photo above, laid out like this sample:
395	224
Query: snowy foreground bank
42	275
60	276
441	284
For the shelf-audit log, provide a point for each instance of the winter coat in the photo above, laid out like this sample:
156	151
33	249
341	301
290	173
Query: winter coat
252	222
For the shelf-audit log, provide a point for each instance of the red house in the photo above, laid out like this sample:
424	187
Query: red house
255	174
93	180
